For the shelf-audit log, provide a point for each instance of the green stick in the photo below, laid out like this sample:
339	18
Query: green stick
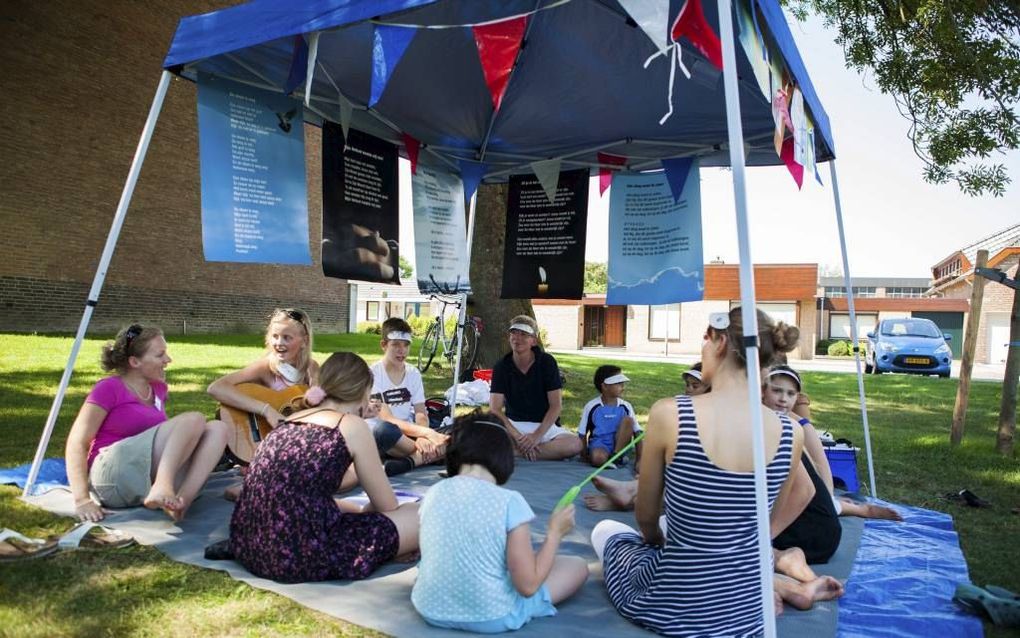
572	493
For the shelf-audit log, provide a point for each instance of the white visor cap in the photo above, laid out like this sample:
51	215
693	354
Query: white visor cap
523	327
398	336
616	378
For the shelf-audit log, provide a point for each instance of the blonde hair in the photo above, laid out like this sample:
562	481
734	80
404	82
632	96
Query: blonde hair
345	377
774	338
300	317
131	341
529	321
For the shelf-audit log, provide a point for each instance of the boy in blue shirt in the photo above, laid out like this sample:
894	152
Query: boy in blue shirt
607	421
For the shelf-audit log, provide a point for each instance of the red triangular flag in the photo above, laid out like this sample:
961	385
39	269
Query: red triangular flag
690	22
791	164
606	174
497	49
411	145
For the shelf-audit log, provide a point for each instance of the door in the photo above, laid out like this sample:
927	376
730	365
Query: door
616	326
594	326
949	323
998	336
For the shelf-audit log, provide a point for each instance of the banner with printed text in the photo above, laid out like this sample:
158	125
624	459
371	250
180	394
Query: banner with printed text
360	212
543	256
440	239
655	254
252	156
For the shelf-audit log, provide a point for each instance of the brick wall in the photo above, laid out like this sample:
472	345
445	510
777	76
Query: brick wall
78	82
997	301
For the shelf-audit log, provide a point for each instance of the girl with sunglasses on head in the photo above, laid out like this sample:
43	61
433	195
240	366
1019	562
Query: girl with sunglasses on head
123	450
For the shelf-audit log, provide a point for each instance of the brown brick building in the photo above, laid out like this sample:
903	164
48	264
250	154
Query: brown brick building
79	79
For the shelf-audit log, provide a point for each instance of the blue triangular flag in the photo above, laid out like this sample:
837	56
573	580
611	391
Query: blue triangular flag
818	177
677	170
298	65
389	47
471	173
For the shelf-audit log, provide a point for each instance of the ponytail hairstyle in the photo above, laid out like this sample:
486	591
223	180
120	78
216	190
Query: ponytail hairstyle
287	316
774	338
131	341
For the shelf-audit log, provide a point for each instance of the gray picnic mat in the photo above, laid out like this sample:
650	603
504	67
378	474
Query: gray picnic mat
383	601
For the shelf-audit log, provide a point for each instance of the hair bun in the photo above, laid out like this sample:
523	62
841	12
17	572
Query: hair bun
784	337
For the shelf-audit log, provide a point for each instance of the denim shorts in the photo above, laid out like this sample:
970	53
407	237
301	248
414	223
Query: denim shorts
386	436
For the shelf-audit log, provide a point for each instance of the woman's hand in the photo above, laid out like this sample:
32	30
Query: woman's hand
88	511
562	521
273	417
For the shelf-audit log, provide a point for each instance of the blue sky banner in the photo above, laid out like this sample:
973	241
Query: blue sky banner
440	238
252	156
655	254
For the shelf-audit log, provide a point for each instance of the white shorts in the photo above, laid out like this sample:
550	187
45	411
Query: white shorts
527	427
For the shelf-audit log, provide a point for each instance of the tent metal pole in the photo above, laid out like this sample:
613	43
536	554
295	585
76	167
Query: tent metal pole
853	326
462	314
749	315
97	282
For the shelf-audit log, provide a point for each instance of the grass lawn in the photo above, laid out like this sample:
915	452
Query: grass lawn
138	591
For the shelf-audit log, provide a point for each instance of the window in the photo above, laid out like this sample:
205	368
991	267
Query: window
664	322
839	325
372	310
904	292
835	291
864	291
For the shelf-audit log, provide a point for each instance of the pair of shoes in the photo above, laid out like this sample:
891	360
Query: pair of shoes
966	497
95	536
15	546
1001	605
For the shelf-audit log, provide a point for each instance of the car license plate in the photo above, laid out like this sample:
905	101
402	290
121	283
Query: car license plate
917	360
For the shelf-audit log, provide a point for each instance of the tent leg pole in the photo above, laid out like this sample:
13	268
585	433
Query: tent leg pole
97	282
462	313
853	326
749	314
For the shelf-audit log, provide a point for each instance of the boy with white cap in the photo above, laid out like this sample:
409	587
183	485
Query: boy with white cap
607	421
694	384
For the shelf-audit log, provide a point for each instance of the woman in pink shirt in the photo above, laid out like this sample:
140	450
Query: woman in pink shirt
123	449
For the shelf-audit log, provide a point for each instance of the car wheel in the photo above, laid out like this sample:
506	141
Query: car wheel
943	375
868	367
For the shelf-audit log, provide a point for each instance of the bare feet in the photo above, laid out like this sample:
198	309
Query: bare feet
804	595
232	493
172	504
618	495
870	510
793	563
777	603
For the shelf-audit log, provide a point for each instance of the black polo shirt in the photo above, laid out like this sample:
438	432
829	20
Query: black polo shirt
526	394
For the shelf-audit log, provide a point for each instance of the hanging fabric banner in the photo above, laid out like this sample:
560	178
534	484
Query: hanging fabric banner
754	47
360	213
498	44
440	238
655	254
606	173
252	161
543	255
389	46
471	173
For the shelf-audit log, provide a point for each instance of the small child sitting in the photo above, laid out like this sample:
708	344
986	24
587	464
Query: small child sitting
694	384
478	570
607	421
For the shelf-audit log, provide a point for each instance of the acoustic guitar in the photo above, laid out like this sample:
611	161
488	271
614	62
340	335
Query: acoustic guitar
248	429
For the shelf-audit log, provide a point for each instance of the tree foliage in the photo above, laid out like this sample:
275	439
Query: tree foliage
406	269
953	67
596	276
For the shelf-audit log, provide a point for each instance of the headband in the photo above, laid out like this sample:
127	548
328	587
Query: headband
493	424
396	335
789	373
523	327
616	378
693	373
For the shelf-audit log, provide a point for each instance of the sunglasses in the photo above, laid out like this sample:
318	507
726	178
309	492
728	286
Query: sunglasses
131	334
296	315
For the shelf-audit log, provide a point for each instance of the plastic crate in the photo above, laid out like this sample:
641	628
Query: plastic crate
843	462
484	375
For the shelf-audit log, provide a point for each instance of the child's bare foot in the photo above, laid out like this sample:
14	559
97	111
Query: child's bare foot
621	494
777	603
232	493
599	503
793	563
172	504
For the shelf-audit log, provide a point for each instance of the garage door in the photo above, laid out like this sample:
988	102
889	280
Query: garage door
998	336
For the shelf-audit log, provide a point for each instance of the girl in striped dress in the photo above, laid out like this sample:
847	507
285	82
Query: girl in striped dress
695	573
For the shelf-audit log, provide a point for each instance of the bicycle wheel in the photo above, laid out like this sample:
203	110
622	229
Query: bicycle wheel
429	345
469	346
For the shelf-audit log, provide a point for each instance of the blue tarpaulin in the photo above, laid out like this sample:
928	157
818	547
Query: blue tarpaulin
579	85
52	473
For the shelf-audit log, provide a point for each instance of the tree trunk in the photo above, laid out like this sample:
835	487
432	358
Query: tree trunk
487	275
1007	409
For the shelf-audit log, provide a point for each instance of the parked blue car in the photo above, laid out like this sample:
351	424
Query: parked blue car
910	345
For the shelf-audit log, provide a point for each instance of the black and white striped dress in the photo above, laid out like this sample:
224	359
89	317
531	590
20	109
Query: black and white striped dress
704	581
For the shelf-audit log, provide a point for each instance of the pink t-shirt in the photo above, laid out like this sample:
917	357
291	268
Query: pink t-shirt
126	414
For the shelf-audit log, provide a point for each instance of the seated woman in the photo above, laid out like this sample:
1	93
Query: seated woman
122	447
699	463
286	525
526	385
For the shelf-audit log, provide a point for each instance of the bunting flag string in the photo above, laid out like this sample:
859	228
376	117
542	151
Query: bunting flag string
498	45
389	46
791	164
548	174
781	116
298	66
653	18
677	169
606	173
412	146
471	173
691	23
472	25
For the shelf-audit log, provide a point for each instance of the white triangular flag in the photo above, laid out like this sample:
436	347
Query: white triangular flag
800	127
548	174
346	113
313	53
653	18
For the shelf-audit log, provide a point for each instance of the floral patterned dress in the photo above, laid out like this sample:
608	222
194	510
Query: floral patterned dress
286	525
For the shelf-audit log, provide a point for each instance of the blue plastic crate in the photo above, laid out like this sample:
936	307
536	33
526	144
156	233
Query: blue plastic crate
843	462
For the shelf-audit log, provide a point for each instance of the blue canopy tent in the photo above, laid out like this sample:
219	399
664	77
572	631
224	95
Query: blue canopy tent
585	80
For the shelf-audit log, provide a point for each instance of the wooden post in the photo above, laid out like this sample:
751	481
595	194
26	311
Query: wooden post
969	345
1007	408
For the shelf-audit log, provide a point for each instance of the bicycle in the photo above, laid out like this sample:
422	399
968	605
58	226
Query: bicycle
436	336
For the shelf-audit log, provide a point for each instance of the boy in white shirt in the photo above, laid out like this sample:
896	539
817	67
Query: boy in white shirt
607	421
401	425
